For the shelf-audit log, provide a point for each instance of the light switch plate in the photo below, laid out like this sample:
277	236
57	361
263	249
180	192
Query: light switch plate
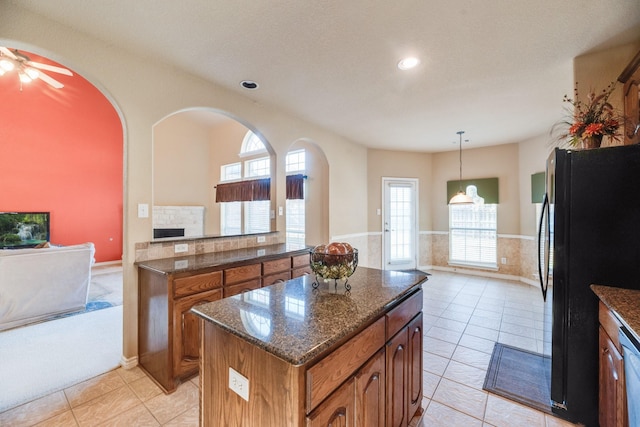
143	210
238	384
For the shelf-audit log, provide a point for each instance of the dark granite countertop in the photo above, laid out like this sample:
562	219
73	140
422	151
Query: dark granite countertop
625	303
296	322
216	259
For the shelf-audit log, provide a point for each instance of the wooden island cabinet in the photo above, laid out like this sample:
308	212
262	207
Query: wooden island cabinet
618	308
168	333
295	355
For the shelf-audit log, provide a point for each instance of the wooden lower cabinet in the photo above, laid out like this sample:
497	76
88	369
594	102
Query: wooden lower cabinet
338	410
414	368
168	334
360	401
186	341
370	392
371	380
612	400
397	363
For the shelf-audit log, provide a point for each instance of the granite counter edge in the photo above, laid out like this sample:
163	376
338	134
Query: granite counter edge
321	348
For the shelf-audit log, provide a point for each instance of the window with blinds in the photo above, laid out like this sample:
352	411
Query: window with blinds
246	217
473	232
295	214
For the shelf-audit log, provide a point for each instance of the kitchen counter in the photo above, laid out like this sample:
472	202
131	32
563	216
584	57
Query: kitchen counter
625	303
291	355
216	259
296	323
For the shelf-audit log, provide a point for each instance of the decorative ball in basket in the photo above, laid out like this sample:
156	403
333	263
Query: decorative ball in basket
335	261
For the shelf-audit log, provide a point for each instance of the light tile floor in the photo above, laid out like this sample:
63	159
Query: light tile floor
463	317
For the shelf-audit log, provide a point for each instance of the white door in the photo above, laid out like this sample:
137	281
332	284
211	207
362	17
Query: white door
399	223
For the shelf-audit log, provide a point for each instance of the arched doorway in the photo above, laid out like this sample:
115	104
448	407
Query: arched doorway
63	153
315	209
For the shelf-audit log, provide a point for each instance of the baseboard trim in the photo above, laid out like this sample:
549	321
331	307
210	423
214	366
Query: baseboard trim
460	270
128	363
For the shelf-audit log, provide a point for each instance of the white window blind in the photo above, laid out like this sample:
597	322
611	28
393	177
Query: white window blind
246	217
295	219
231	172
473	232
256	214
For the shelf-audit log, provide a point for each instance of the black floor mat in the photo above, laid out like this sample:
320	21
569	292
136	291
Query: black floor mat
521	376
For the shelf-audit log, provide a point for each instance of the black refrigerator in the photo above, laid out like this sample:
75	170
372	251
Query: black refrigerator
589	234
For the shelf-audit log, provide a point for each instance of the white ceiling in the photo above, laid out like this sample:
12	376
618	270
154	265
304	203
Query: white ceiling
497	69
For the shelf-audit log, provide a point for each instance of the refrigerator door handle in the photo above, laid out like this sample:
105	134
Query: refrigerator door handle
542	241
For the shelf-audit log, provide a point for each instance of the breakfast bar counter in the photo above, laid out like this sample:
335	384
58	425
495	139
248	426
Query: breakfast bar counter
298	355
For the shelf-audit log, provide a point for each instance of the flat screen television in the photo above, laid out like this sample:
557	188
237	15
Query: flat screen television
20	230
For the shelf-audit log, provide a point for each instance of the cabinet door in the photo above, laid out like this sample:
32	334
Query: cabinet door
186	332
414	383
370	392
397	356
611	401
338	410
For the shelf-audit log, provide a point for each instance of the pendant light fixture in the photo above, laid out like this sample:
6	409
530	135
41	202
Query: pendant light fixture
461	197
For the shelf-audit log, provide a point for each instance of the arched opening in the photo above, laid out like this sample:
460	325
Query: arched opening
194	151
314	211
63	153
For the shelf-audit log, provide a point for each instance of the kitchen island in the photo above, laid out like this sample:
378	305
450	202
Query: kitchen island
295	355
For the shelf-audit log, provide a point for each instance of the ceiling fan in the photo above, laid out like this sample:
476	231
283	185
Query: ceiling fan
28	70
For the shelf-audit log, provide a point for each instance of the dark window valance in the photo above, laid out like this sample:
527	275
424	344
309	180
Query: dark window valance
487	188
244	191
295	187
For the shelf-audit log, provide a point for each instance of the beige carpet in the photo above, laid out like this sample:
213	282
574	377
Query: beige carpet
39	359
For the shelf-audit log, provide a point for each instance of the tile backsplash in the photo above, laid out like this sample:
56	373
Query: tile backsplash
165	248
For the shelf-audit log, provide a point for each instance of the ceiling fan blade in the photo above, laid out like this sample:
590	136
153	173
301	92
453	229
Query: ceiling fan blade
51	81
50	68
8	53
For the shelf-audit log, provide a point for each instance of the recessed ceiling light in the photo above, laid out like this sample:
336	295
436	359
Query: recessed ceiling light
248	84
408	63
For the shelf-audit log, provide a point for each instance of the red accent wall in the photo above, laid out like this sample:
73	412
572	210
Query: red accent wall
61	151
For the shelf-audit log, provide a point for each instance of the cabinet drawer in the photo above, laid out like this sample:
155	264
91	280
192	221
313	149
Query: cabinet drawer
398	317
301	271
326	375
276	278
610	324
242	274
198	283
300	260
276	266
241	287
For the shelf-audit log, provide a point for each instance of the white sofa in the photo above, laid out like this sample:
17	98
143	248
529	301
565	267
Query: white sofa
36	284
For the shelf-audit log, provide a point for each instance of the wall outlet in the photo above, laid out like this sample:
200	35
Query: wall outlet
262	239
181	247
261	252
503	260
238	384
